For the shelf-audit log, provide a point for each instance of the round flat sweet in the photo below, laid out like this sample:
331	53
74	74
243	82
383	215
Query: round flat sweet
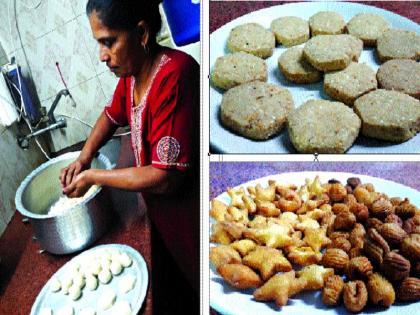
400	75
256	110
368	27
388	115
323	126
252	38
296	69
237	68
398	44
290	30
332	52
326	23
349	84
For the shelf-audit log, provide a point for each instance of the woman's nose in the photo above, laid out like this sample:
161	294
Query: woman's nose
103	55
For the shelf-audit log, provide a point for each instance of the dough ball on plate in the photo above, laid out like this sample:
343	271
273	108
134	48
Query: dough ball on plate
322	126
116	267
66	310
55	285
66	283
79	280
91	282
253	39
105	276
368	27
237	68
290	30
106	299
326	23
256	110
125	260
75	292
126	283
122	308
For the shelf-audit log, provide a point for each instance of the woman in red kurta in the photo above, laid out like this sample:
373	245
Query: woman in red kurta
158	97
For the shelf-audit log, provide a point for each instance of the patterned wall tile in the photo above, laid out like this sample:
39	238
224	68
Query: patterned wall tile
79	6
108	83
14	170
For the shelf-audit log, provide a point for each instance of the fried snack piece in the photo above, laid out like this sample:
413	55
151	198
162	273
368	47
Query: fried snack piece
279	288
316	238
259	221
267	260
303	256
335	258
223	254
359	268
265	194
236	197
244	246
307	223
315	275
234	214
220	235
234	229
380	290
267	208
239	276
218	210
273	235
332	291
355	295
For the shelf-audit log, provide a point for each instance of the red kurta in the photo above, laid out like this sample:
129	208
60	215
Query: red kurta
165	134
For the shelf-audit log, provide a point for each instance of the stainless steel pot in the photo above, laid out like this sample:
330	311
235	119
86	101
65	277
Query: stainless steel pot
71	230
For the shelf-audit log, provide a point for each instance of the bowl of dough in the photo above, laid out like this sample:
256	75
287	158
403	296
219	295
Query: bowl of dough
63	225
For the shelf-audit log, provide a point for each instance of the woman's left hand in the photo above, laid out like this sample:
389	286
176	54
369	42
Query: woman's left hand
79	186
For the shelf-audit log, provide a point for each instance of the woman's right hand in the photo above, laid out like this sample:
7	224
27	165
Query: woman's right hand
70	172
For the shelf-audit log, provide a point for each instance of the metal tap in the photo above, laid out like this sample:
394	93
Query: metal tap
52	122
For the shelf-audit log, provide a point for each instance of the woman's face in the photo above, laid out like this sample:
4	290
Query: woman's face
120	49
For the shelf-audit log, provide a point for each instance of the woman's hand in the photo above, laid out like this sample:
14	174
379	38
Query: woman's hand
80	185
69	173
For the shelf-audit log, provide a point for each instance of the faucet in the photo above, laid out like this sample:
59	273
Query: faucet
49	118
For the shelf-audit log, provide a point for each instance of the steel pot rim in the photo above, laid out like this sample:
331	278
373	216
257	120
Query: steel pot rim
18	197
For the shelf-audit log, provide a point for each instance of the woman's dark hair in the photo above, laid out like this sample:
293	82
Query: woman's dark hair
126	14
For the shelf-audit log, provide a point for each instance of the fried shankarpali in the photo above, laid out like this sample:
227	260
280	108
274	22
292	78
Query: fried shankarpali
267	260
223	254
315	276
273	235
303	256
279	288
218	210
244	246
316	238
239	276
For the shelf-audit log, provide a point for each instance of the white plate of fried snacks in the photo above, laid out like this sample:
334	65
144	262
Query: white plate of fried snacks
315	242
224	140
106	279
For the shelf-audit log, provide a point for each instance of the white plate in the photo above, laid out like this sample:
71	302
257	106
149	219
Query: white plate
226	141
227	300
135	297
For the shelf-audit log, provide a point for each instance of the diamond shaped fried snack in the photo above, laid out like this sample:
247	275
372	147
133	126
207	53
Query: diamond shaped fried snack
267	260
316	238
267	208
243	246
239	276
220	235
223	254
265	194
234	214
273	235
315	275
218	210
279	288
303	256
236	197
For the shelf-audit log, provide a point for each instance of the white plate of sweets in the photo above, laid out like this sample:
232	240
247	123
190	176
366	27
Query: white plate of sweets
106	279
226	299
225	141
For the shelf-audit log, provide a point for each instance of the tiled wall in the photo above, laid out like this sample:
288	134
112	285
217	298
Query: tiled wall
51	31
58	31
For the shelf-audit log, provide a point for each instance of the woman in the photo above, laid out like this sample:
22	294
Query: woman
158	96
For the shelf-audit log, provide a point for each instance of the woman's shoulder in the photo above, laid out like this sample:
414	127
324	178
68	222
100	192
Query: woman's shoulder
179	61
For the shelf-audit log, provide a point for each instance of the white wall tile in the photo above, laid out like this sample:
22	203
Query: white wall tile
108	83
79	6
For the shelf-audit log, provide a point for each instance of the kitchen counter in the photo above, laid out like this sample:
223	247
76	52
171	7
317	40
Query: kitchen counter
221	12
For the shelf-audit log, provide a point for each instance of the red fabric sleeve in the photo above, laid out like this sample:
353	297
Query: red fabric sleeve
115	110
172	120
